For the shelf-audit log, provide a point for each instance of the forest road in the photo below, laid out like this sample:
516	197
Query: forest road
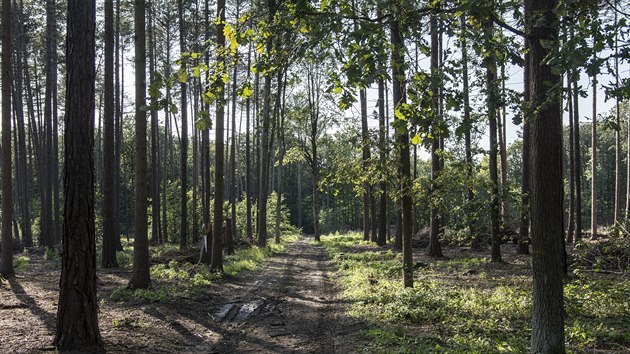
289	306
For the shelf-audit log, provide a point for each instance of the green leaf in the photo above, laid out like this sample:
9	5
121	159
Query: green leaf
154	89
399	115
182	77
416	139
247	91
203	122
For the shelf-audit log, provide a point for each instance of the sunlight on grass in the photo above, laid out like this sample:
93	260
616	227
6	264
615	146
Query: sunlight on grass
20	262
177	280
467	313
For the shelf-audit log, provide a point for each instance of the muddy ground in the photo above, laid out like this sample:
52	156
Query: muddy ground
288	306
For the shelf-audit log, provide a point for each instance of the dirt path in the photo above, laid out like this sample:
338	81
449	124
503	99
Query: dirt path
288	306
292	307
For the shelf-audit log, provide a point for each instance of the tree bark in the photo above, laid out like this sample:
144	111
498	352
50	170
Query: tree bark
434	249
618	152
22	167
470	195
118	133
402	138
281	151
183	240
216	264
109	246
382	216
365	148
265	147
77	313
248	169
546	188
141	276
594	162
491	88
6	257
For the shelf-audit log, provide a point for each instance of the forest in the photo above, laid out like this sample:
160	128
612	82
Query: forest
315	176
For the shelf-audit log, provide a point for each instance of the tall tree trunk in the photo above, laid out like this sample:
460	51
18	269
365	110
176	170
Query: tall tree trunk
155	139
571	222
470	195
53	209
299	194
546	188
118	132
23	175
6	257
281	150
402	139
77	313
434	249
365	147
167	137
577	160
141	276
183	240
618	152
491	88
109	244
502	122
382	129
265	147
594	161
216	264
232	182
523	234
46	222
248	169
205	142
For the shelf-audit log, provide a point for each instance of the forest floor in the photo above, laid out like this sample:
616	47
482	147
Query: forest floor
289	305
341	295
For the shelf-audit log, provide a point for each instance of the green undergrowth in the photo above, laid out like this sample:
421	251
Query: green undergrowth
475	312
186	280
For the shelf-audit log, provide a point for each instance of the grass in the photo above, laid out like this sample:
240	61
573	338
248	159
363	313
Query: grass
447	311
20	262
177	280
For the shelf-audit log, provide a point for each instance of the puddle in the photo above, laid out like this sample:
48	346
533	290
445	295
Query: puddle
222	312
235	312
248	309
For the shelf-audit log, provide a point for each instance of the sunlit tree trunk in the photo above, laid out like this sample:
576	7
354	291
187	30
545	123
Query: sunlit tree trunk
382	216
365	148
491	88
263	182
402	139
248	169
470	195
216	264
434	249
